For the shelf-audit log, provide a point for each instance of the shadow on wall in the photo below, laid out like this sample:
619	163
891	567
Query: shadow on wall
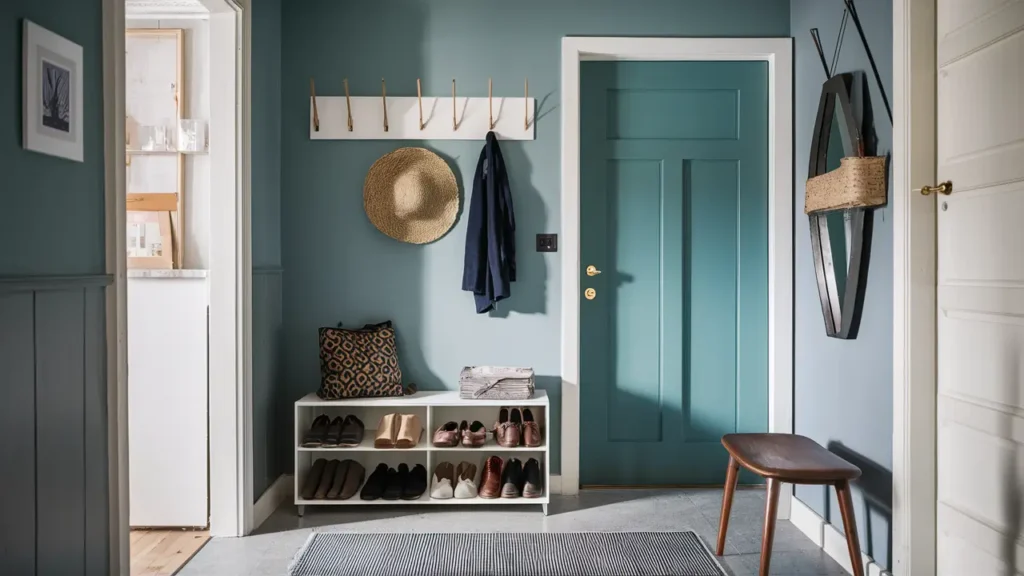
875	488
1011	479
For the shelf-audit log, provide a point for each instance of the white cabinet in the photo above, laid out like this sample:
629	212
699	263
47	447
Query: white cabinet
433	409
167	399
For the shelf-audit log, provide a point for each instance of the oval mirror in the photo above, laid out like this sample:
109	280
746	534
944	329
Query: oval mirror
839	238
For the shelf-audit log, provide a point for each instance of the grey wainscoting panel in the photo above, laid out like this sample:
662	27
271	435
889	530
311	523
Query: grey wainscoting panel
97	493
271	422
53	428
17	434
60	421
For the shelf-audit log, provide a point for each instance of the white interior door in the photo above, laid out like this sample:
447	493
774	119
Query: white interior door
980	486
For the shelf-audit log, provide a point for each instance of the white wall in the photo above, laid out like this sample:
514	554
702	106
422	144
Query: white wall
197	166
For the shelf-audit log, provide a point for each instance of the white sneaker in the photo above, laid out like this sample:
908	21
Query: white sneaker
466	486
465	489
441	488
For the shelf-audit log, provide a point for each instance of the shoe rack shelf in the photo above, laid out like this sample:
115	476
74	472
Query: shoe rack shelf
434	409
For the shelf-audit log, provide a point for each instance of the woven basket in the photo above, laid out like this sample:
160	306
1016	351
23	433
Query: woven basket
858	182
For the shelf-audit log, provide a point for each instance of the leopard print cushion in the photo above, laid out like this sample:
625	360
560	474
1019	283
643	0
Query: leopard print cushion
359	363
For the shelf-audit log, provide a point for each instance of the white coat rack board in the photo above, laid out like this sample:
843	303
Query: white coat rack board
443	118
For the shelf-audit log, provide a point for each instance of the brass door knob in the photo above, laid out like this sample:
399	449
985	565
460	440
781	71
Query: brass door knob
590	293
592	270
944	188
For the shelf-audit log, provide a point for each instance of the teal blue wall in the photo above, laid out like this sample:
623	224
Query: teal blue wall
271	423
51	209
340	268
843	388
54	512
266	133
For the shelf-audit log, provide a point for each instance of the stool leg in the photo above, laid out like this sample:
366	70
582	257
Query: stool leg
731	477
771	509
850	527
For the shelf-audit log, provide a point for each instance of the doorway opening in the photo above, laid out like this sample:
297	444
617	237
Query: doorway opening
181	317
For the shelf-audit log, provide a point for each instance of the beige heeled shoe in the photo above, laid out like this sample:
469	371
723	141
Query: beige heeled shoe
409	431
387	431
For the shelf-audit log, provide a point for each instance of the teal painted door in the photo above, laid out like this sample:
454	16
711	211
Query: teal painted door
674	213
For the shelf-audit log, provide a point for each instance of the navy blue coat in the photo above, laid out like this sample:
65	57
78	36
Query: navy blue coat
490	265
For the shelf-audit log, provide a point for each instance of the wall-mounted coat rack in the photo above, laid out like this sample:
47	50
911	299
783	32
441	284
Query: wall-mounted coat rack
452	117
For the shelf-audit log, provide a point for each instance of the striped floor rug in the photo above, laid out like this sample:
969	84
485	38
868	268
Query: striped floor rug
534	554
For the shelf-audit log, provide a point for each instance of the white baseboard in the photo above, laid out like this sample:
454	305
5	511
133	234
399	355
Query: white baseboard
555	484
807	521
281	491
829	539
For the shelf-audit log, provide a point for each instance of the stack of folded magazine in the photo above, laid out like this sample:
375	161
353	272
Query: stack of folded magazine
496	383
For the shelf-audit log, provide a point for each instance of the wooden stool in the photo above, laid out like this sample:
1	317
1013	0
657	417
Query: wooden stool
788	458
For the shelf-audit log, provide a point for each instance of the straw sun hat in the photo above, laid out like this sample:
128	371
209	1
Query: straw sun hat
411	195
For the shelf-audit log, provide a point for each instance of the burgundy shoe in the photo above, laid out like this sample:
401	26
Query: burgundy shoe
490	478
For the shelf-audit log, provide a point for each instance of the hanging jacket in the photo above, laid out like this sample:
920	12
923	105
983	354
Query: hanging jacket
490	265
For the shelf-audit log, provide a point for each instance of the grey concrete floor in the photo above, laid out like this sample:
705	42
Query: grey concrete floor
272	547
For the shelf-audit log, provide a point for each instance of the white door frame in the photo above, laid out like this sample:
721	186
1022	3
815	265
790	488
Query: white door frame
231	502
914	288
778	53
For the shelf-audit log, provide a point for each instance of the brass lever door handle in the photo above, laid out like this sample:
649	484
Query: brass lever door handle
592	270
945	188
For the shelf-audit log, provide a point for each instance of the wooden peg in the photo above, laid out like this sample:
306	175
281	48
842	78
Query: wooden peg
526	104
384	99
316	115
455	120
419	100
348	106
490	107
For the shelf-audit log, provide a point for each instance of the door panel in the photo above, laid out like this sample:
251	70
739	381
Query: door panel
674	213
980	320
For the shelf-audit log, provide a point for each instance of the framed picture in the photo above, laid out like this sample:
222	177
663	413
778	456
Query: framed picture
149	238
52	105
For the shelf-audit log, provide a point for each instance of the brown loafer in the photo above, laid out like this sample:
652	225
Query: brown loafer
353	480
313	479
531	430
473	435
447	435
409	431
326	480
339	479
506	433
490	478
387	430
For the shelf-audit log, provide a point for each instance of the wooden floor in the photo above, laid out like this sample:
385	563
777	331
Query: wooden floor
163	552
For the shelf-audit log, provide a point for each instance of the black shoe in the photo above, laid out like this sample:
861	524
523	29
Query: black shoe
333	433
375	484
533	479
396	479
416	484
313	478
512	479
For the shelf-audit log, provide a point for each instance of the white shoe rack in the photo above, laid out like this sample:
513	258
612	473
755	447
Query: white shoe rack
433	409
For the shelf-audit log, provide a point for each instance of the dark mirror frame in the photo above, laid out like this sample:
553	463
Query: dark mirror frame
841	311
